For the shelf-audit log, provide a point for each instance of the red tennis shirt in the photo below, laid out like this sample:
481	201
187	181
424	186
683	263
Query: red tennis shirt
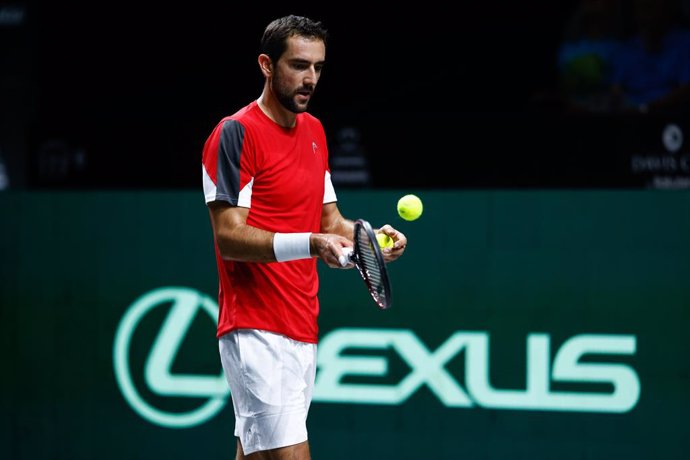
281	175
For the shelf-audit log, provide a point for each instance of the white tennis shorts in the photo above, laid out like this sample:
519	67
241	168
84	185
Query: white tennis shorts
271	379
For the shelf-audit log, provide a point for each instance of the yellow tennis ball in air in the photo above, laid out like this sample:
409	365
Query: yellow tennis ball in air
410	207
384	240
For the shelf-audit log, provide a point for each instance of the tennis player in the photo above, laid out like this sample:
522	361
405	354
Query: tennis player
273	212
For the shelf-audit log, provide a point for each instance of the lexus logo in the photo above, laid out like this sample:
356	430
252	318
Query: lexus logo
183	304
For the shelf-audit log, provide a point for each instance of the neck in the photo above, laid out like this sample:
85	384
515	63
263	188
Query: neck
275	110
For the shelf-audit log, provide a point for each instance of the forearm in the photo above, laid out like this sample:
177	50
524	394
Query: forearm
245	243
343	227
236	240
333	222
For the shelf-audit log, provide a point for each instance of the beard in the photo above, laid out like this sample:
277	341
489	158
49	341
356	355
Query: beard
287	101
286	96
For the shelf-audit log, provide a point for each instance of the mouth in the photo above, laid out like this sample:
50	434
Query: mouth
304	94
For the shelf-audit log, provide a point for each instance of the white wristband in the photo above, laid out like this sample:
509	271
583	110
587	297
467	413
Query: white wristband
291	246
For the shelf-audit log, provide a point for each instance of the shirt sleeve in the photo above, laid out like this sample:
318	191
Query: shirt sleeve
221	163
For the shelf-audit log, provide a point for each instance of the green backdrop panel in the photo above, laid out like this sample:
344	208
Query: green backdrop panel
525	324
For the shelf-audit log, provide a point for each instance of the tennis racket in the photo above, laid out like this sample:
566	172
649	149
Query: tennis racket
368	259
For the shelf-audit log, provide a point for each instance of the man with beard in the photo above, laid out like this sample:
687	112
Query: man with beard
273	213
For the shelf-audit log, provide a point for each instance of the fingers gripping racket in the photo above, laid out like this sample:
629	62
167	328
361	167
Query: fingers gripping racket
368	259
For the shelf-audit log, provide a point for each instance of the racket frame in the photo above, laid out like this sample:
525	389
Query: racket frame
382	297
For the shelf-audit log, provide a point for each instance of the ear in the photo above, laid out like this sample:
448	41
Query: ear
265	65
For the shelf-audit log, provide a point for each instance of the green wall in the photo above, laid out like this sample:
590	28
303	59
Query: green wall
525	324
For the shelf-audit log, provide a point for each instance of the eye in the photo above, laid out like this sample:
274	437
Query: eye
300	66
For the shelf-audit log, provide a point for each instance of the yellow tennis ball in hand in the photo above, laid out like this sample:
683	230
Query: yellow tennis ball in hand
384	240
410	207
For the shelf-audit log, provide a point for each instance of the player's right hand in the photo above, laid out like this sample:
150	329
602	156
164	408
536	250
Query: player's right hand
329	247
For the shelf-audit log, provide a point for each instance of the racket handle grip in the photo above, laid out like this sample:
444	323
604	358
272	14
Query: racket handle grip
346	257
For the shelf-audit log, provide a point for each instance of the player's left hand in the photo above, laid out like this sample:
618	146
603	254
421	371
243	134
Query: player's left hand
399	243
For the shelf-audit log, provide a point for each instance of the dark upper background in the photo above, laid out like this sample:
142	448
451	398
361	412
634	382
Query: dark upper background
116	95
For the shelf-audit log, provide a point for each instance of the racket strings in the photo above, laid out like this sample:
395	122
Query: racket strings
369	262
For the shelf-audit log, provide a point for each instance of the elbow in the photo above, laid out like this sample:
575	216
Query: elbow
227	250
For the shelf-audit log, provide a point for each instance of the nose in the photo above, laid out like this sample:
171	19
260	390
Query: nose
311	76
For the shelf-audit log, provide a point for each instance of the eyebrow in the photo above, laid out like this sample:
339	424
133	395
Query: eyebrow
304	61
